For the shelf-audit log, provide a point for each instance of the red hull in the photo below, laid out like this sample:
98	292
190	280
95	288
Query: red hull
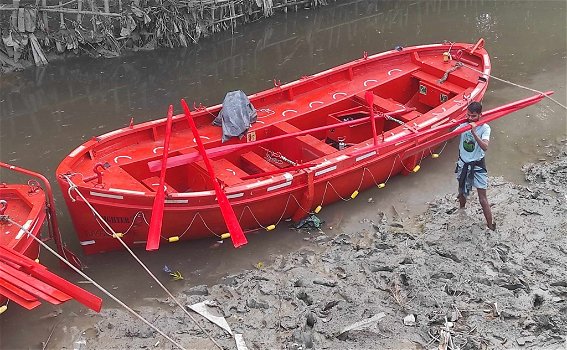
405	83
26	206
23	214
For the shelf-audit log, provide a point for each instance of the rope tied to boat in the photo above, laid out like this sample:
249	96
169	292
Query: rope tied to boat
34	186
449	71
518	85
73	186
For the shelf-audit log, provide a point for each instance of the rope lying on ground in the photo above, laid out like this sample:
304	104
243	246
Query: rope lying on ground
102	289
118	236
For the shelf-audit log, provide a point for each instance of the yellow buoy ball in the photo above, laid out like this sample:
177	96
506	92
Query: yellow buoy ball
435	155
173	239
318	209
354	194
382	185
271	227
416	168
225	235
3	308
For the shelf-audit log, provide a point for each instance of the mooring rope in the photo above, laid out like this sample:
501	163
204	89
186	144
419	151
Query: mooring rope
517	85
29	234
117	236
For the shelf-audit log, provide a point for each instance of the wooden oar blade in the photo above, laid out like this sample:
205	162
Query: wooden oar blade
154	232
236	234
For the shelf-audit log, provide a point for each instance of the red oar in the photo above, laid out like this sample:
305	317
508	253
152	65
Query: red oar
32	277
154	232
232	224
369	96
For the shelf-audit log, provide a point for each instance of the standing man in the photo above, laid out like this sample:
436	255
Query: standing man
471	167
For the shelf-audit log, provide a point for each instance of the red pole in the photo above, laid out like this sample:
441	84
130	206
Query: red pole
369	96
236	234
154	232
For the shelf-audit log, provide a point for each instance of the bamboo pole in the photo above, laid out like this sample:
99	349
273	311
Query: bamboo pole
61	19
45	20
106	6
79	9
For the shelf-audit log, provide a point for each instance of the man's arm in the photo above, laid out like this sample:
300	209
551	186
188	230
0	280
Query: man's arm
482	143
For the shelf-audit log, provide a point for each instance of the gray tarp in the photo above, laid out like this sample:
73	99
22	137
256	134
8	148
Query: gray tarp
236	115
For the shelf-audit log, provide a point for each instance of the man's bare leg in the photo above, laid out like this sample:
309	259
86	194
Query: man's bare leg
462	200
486	208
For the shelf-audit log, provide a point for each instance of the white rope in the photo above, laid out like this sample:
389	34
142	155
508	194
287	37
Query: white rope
258	222
204	223
518	85
95	284
73	186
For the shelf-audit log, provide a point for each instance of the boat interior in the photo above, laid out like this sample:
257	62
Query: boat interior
407	95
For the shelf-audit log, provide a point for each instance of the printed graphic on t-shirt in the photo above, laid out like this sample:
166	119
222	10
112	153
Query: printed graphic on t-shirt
468	142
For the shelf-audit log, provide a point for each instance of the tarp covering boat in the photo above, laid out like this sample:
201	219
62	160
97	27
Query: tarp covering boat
236	116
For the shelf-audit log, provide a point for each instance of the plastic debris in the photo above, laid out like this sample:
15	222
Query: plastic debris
312	222
240	344
176	275
201	309
363	324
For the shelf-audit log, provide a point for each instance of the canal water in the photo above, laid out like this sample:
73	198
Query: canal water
46	112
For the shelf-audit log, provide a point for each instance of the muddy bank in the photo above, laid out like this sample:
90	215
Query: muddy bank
400	283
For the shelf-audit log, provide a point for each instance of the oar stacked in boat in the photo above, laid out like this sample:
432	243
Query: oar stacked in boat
154	232
236	234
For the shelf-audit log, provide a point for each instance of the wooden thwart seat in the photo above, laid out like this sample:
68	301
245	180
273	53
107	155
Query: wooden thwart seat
387	105
311	143
153	182
433	80
258	163
226	171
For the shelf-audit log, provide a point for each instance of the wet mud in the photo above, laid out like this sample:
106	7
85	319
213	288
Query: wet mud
439	280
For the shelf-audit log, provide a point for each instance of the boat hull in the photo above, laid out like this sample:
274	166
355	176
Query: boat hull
322	121
26	206
259	211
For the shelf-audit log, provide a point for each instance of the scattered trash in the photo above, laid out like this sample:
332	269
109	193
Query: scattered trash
524	340
240	344
409	320
166	269
176	275
202	309
312	222
363	324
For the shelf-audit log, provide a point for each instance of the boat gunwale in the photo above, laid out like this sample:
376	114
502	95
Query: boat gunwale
121	132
